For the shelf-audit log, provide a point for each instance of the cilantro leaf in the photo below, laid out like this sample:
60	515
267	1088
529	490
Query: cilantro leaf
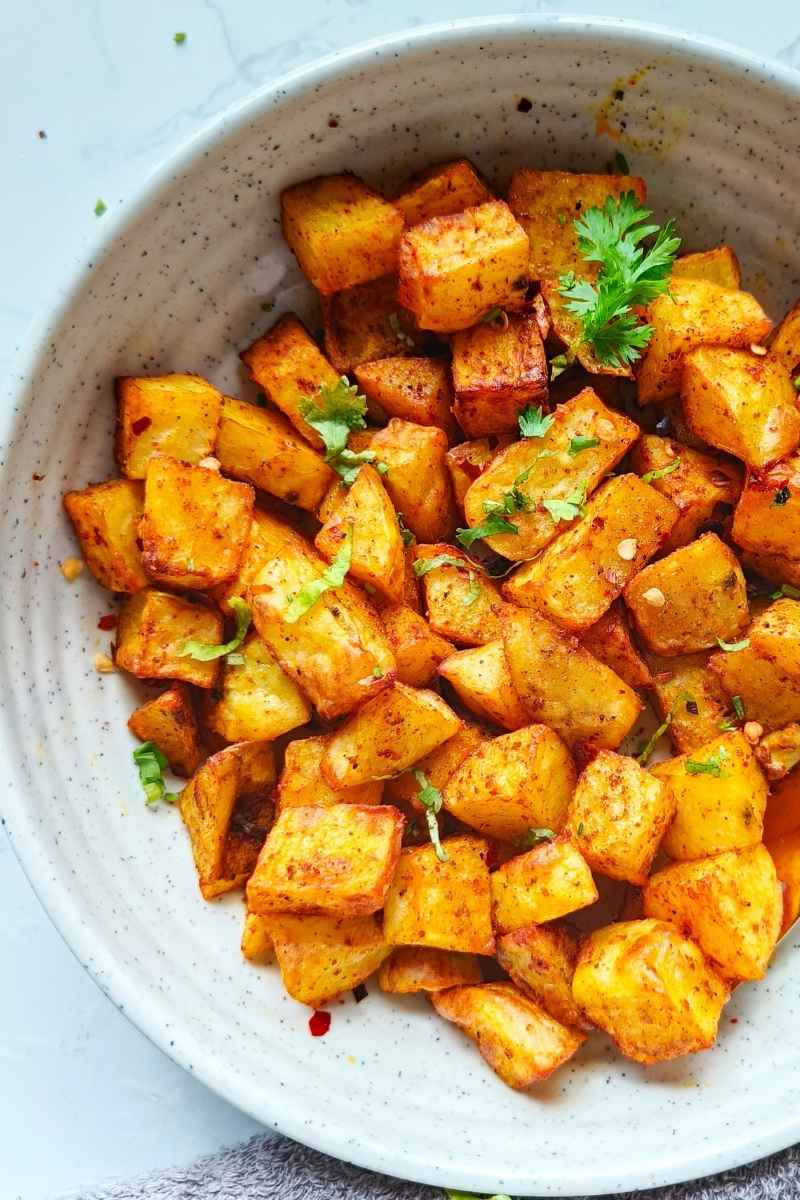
787	590
732	721
151	763
431	800
660	472
332	577
711	766
577	444
100	207
569	509
348	463
489	528
336	412
497	317
534	422
533	837
207	651
423	565
731	647
473	591
179	39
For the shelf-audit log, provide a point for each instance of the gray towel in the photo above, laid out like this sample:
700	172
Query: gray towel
272	1168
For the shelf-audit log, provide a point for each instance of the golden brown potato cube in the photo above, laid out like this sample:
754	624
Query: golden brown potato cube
691	696
767	517
256	942
269	536
302	783
519	1040
466	461
719	265
438	766
544	471
512	784
540	959
152	630
694	313
783	808
775	635
695	482
413	389
322	956
566	334
778	753
416	648
454	269
105	517
195	524
366	515
482	681
720	796
226	809
499	368
729	904
255	700
426	969
688	600
547	882
650	988
367	322
562	685
169	721
609	641
785	853
259	446
767	695
583	571
785	341
741	402
462	603
387	735
417	479
341	231
443	904
176	415
338	859
440	190
777	568
618	816
291	369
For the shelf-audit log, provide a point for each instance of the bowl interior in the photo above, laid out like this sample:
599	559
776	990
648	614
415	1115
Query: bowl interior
182	286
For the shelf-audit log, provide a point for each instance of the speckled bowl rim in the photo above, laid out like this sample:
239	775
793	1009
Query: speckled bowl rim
148	1015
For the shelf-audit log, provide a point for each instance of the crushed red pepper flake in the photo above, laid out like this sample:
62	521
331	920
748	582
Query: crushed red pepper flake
319	1023
109	621
139	426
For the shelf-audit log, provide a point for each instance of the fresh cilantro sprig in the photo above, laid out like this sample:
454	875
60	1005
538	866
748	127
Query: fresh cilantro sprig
208	651
785	591
534	422
534	837
337	412
431	800
578	444
405	532
332	577
151	764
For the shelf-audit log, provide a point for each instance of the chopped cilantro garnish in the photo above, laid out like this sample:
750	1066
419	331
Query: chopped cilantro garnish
660	472
423	565
332	577
151	764
732	721
473	591
579	830
207	651
534	422
577	444
336	412
731	647
558	365
489	528
569	509
644	755
533	837
496	316
738	706
431	800
712	765
100	207
786	590
179	38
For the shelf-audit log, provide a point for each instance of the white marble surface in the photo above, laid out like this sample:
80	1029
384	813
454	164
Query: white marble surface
85	1096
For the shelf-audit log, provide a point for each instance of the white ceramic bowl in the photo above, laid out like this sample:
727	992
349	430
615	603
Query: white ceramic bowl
180	285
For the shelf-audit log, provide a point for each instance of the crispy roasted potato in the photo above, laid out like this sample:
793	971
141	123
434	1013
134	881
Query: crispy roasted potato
689	693
322	956
438	766
690	599
778	753
169	721
427	969
719	265
482	681
417	479
195	524
413	389
105	517
609	641
777	568
302	783
268	537
767	694
338	860
367	516
540	959
256	939
499	368
695	482
176	415
565	332
440	190
255	700
650	988
775	635
784	343
462	603
785	853
417	649
783	808
767	518
341	231
152	629
442	904
454	269
367	322
547	882
519	1040
466	461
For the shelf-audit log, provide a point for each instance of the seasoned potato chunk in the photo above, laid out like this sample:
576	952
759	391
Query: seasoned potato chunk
256	939
690	696
720	795
618	816
547	882
366	322
413	389
440	190
609	640
227	810
482	681
767	694
785	341
650	988
691	314
519	1040
387	735
778	753
152	630
785	853
690	599
442	904
466	461
540	959
498	369
719	265
268	538
437	766
462	603
426	969
729	904
767	517
583	571
255	700
512	784
741	402
414	453
783	808
261	447
417	649
322	956
176	415
695	482
544	471
775	635
454	269
195	524
566	335
562	685
105	517
366	514
302	783
777	568
341	231
338	859
169	721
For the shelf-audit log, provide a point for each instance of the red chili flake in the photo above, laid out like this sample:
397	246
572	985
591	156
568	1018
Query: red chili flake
139	426
37	478
734	1020
108	622
319	1024
333	123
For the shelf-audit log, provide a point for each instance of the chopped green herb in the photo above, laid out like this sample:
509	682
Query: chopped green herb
151	764
179	38
733	721
405	532
712	765
558	365
489	528
731	647
431	800
533	422
497	317
577	444
423	565
534	837
100	207
348	463
332	577
738	706
569	509
620	165
377	673
207	651
644	755
336	412
797	384
235	660
660	472
786	590
781	497
513	501
473	591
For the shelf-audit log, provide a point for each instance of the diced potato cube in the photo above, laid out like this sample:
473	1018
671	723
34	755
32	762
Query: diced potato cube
437	766
650	988
720	795
498	370
322	956
562	685
729	904
540	959
691	314
775	635
519	1040
785	853
454	269
367	322
176	415
226	809
777	568
785	341
543	470
512	784
413	389
268	537
151	632
417	649
105	517
341	231
302	783
566	333
255	700
618	816
767	517
338	859
691	696
387	735
426	969
768	695
442	904
696	486
547	882
688	600
783	808
256	939
195	524
482	681
169	721
462	603
778	753
440	190
609	641
417	479
261	447
367	516
719	265
466	461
